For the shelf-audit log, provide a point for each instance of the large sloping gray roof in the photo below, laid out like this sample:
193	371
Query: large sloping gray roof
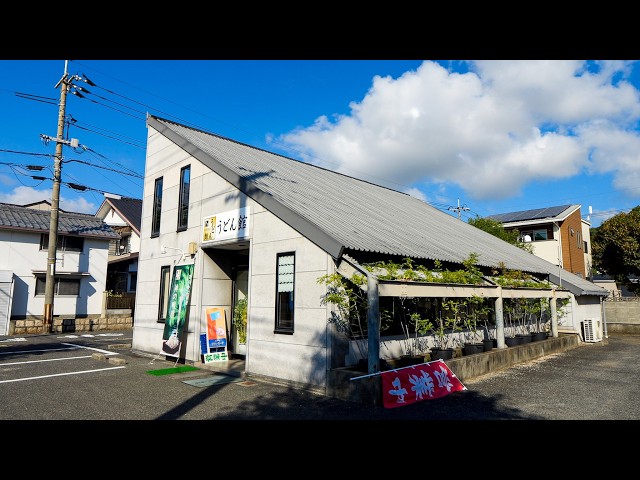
340	213
17	217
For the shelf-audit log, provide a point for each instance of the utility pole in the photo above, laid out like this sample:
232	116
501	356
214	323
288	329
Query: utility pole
459	209
49	293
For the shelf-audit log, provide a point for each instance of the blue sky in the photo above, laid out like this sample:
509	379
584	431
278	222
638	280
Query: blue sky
490	136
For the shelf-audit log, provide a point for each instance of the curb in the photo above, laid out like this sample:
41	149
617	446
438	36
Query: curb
114	361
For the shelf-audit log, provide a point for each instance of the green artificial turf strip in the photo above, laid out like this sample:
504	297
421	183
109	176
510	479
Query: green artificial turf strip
169	371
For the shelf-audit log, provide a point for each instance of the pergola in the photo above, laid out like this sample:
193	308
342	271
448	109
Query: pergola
377	288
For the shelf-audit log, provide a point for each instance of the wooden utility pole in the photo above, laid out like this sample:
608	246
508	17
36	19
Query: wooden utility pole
49	294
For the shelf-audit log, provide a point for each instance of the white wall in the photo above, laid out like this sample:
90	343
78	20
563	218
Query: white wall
300	357
303	356
547	250
114	219
22	254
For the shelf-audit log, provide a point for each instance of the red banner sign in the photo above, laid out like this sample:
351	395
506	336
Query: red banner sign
426	381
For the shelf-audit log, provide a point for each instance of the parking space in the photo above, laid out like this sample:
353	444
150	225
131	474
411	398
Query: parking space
38	358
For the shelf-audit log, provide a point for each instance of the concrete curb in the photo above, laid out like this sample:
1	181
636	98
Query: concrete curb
112	360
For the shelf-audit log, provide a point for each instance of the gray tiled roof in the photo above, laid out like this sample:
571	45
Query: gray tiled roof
340	213
16	217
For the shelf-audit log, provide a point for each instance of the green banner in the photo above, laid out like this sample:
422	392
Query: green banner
177	312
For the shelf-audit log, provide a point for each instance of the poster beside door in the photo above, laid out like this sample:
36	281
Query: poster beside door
216	335
177	313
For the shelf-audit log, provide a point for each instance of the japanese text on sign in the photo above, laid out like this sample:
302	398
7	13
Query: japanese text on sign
226	225
420	382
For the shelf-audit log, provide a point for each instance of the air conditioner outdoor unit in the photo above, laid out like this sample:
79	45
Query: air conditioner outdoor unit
592	330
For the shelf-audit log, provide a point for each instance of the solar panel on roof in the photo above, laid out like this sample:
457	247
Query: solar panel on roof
534	214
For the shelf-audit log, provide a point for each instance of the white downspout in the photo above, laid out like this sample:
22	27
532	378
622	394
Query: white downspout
604	317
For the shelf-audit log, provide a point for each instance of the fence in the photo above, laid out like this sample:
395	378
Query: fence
117	301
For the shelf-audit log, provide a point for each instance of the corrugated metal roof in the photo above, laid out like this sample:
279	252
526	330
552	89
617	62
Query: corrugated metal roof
547	213
16	217
339	212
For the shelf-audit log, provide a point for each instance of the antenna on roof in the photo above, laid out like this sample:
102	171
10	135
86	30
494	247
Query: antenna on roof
459	208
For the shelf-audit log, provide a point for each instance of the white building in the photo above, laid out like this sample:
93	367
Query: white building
81	262
262	226
123	214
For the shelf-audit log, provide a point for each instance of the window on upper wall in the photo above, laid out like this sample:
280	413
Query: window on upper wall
536	235
285	287
65	243
183	206
165	283
157	208
62	286
586	247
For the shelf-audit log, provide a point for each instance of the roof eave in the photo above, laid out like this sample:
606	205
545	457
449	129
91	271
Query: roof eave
318	236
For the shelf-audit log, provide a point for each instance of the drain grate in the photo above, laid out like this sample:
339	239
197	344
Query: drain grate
247	383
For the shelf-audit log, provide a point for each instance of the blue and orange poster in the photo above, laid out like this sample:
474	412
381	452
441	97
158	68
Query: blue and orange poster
216	328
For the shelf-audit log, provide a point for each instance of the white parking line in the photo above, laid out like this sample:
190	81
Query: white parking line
59	375
99	350
41	361
40	350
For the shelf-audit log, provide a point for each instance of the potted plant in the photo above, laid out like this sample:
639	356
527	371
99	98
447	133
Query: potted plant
444	329
240	320
350	314
476	309
415	344
510	324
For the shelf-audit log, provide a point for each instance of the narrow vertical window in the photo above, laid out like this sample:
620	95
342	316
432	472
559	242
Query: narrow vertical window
285	279
165	283
183	206
157	208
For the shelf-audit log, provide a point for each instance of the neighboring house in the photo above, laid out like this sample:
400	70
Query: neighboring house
558	234
81	261
254	224
123	215
615	291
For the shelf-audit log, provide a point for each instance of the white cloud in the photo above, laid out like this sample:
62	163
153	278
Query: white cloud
79	205
27	195
419	194
491	131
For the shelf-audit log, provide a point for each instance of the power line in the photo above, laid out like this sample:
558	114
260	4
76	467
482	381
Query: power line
27	153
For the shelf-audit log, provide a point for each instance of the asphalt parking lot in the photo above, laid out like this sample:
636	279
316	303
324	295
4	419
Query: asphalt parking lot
57	377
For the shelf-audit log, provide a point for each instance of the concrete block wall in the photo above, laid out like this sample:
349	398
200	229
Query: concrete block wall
623	316
90	323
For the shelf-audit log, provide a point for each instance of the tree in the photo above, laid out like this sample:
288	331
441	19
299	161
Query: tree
615	248
496	229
